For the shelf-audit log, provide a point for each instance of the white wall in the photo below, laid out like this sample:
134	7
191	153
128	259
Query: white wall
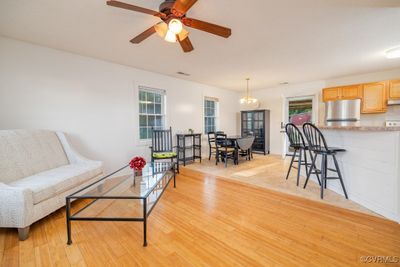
364	78
93	101
274	99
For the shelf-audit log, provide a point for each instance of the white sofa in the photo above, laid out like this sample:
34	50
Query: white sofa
38	169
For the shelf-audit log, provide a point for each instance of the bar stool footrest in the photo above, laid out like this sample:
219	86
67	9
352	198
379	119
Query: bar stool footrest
332	178
332	170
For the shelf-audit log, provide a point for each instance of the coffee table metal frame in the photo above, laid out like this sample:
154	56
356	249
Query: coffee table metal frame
146	213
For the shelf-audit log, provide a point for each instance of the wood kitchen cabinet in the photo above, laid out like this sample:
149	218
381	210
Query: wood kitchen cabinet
374	98
394	89
342	93
331	94
352	92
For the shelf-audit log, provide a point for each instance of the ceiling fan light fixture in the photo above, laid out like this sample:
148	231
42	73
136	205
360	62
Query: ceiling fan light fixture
183	35
170	37
173	16
175	26
161	29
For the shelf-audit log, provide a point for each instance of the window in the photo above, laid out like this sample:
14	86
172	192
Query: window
210	114
151	111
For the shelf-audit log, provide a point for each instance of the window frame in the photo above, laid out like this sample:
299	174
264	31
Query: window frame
216	114
154	102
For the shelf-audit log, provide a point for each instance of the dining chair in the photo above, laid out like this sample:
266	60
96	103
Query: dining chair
317	144
162	147
212	144
225	150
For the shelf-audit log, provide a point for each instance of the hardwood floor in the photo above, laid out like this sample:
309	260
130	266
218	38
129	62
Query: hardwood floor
216	222
270	172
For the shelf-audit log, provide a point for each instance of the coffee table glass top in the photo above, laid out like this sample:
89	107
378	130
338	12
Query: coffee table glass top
121	196
123	183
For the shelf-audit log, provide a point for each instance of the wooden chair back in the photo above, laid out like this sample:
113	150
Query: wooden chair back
294	135
211	139
315	138
162	140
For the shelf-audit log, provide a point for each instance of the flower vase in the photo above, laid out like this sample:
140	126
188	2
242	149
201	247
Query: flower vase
138	173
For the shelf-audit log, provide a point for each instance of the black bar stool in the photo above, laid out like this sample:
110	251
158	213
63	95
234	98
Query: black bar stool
317	144
296	141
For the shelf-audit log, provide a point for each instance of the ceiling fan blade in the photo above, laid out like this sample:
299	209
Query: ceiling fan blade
135	8
144	35
207	27
182	6
186	44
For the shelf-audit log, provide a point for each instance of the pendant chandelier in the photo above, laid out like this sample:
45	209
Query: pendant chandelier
248	100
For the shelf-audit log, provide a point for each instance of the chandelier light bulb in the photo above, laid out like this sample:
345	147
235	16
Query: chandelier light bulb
175	26
248	100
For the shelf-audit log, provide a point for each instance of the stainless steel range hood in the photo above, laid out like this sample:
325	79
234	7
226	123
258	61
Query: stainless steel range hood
393	102
343	112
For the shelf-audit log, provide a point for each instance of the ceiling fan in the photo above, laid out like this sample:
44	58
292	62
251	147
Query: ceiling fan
173	15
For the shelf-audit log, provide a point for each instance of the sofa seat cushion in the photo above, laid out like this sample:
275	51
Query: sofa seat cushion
50	183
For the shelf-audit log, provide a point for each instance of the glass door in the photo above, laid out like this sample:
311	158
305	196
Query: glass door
253	123
247	123
299	110
259	132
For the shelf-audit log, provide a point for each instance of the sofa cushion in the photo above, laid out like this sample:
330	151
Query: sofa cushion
27	152
50	183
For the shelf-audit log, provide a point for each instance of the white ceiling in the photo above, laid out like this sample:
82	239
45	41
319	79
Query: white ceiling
272	41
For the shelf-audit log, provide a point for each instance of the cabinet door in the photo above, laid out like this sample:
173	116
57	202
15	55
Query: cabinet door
331	94
394	89
259	131
374	98
351	92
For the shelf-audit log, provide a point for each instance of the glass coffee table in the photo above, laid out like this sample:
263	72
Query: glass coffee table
122	196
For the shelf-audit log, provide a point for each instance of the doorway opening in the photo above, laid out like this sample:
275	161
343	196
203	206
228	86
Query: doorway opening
299	110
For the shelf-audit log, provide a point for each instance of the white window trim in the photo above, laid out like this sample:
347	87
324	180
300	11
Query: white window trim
146	142
216	113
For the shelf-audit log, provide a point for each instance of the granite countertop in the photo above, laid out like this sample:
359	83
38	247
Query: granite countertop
360	128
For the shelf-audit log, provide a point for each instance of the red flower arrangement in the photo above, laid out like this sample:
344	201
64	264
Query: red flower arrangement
137	163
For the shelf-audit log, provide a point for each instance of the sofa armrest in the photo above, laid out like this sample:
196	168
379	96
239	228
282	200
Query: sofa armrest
72	155
16	206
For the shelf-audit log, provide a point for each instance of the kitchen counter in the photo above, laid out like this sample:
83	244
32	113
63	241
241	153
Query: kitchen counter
360	128
370	166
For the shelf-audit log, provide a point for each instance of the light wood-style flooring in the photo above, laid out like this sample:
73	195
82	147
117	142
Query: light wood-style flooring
209	221
270	172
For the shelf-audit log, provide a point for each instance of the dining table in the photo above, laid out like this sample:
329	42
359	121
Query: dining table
232	140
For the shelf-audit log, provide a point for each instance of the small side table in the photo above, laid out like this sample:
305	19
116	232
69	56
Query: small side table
189	147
